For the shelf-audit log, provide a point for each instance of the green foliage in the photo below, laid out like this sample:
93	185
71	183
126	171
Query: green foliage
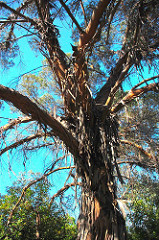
42	88
144	208
139	124
53	222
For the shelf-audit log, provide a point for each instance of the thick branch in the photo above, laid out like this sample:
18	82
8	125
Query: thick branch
118	83
94	22
117	75
26	106
133	93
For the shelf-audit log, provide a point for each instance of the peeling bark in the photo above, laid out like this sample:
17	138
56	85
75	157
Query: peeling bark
101	218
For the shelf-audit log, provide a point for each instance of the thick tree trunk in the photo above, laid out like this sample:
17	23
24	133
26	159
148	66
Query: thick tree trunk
100	217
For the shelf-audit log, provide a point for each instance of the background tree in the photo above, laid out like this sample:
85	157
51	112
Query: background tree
115	42
144	215
34	218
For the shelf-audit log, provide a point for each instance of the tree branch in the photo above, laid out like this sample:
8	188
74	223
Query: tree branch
29	185
133	93
145	81
16	12
13	20
140	148
15	122
63	189
117	74
29	108
111	18
71	16
84	14
93	23
115	88
22	141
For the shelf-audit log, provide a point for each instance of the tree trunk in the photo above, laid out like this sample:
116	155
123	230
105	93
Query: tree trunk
100	216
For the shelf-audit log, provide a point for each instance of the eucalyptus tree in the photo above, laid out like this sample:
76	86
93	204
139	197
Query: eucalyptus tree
116	42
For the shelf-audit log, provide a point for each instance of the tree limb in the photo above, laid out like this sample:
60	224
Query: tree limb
84	14
145	81
22	141
15	122
29	108
29	185
93	23
16	12
140	148
13	20
63	189
71	16
117	73
115	88
111	18
133	93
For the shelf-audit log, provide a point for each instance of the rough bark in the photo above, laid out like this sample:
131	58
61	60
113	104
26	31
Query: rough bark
100	216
